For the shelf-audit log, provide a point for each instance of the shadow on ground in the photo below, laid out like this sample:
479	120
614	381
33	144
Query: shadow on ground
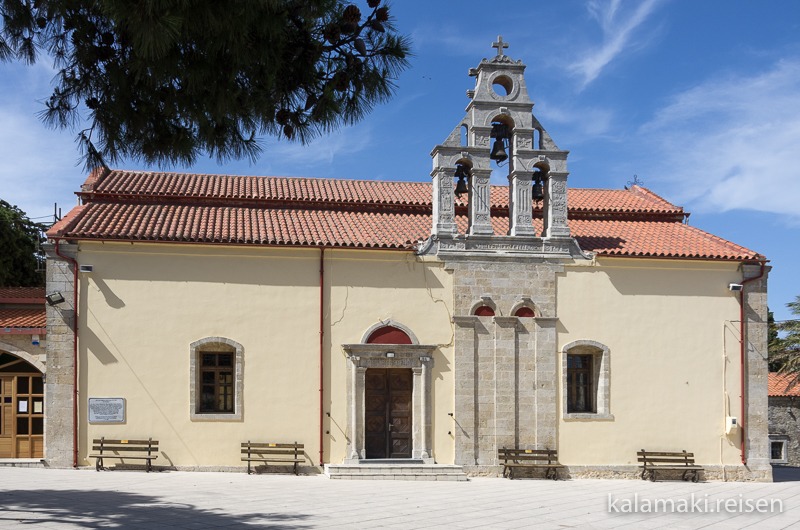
116	509
785	474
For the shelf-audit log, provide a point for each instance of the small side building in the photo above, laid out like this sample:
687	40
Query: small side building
22	368
784	420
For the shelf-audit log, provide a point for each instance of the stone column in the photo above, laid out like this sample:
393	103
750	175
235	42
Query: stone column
444	217
59	386
418	449
520	204
358	377
480	203
555	206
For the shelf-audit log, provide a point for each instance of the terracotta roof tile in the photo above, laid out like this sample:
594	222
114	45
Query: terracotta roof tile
14	294
783	385
145	206
22	318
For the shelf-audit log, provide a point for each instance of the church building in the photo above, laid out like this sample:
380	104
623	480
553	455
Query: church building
431	323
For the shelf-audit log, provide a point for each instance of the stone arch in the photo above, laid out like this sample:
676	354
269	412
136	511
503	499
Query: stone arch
524	308
31	359
389	323
483	301
502	116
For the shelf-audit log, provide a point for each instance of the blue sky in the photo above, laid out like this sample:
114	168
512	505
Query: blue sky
699	99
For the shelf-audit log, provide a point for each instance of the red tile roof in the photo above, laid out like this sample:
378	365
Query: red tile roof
148	206
783	385
22	310
21	295
22	318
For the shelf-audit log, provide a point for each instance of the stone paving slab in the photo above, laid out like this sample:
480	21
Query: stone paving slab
73	499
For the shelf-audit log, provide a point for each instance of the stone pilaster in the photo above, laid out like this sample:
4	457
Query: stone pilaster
480	203
545	384
555	205
59	387
466	412
520	204
444	215
506	377
756	422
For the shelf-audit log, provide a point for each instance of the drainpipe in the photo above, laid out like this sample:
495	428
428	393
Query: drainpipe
742	335
321	357
74	353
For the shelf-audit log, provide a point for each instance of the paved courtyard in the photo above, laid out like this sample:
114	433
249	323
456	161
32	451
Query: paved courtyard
65	499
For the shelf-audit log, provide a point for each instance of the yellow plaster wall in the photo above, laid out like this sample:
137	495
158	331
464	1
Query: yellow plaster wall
144	304
672	331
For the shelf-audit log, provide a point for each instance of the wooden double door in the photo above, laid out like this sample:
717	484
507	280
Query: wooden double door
21	416
387	415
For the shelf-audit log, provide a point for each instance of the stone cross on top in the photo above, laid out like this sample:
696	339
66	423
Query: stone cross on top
500	45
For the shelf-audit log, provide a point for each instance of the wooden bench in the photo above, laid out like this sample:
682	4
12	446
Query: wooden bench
657	461
546	459
124	450
272	453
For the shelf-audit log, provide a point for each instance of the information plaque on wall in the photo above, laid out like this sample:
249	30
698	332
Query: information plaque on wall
106	410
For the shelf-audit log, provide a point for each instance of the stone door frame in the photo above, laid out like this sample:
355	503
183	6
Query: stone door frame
417	357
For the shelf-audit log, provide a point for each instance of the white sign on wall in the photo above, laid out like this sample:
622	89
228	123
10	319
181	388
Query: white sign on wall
106	410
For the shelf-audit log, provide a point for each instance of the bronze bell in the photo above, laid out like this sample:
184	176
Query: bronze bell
536	191
498	151
461	185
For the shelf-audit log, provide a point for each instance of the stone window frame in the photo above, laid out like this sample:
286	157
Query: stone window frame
213	344
601	368
784	441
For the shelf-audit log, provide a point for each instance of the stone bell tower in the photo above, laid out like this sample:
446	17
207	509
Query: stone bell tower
500	110
505	314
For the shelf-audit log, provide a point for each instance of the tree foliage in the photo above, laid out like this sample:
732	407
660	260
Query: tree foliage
163	81
21	258
785	349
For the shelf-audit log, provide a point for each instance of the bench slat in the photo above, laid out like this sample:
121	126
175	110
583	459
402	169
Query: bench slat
124	448
272	446
125	442
668	460
271	451
663	453
124	457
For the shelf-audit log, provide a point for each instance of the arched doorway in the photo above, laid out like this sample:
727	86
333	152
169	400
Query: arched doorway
21	408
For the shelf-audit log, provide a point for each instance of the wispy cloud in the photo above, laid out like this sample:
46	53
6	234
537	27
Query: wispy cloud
618	26
732	143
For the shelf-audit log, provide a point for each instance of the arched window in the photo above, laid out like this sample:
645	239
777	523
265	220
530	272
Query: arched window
216	365
484	311
524	312
389	335
586	382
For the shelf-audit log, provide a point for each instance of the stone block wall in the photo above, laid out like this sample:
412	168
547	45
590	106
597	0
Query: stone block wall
756	421
505	366
59	387
784	419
